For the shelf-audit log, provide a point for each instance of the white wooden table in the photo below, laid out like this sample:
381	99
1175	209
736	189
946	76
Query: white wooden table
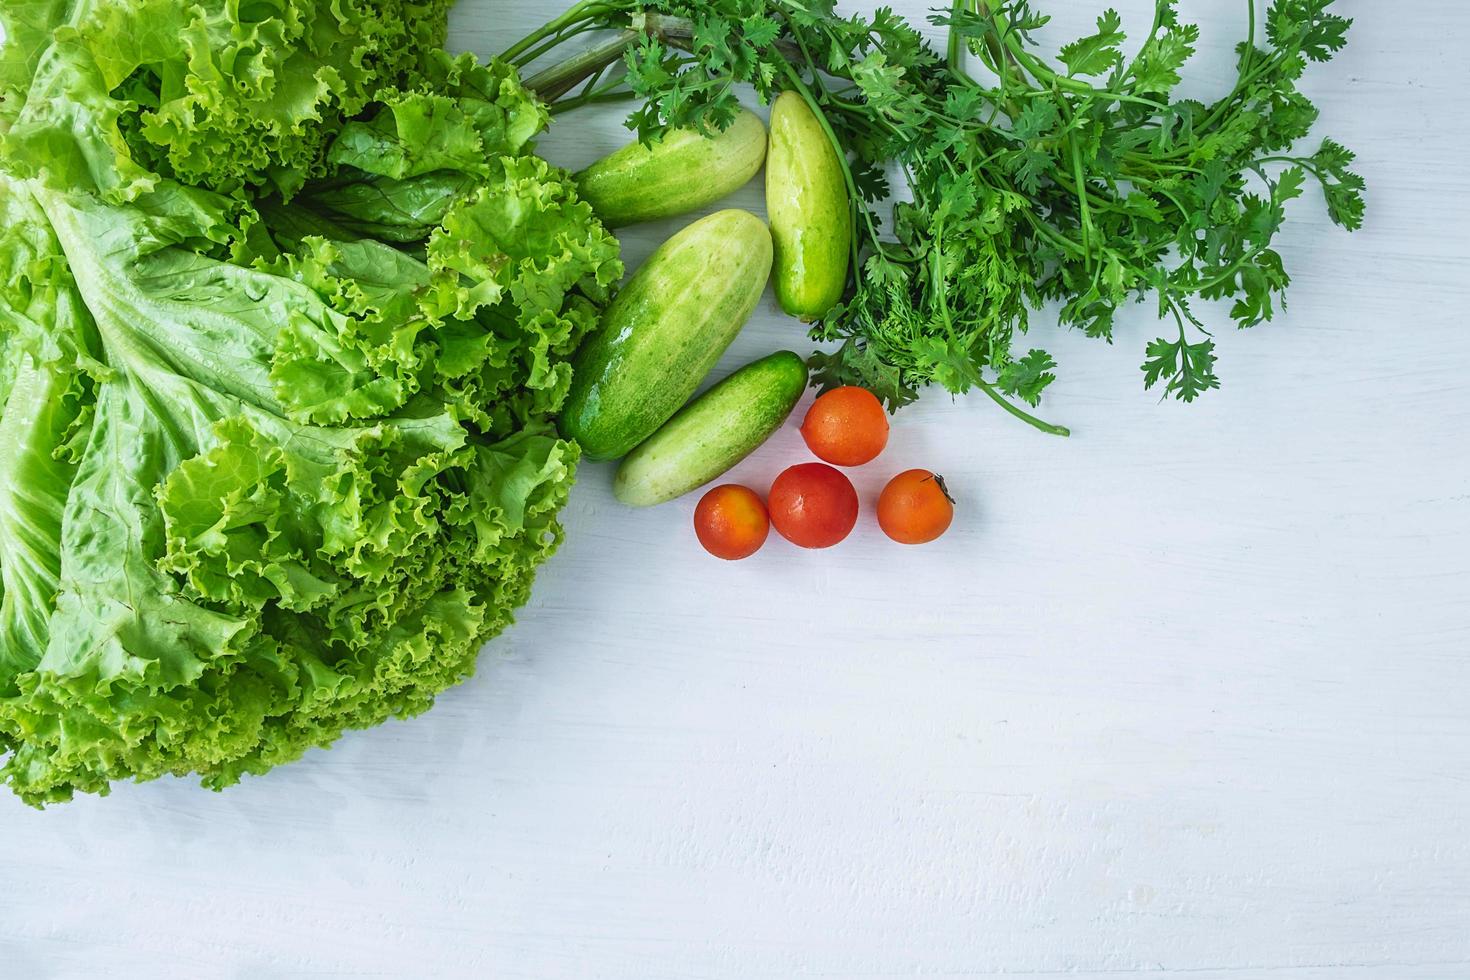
1186	695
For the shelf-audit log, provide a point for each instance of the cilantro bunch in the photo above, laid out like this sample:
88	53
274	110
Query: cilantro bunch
1079	180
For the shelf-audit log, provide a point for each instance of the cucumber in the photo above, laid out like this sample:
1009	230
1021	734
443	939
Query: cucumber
809	210
712	433
664	331
681	172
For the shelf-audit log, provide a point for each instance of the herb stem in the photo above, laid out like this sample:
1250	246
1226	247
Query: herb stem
1230	270
552	43
554	82
1020	413
583	10
1081	190
1045	75
599	97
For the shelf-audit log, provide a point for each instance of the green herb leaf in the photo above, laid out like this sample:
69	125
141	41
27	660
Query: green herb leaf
1027	377
1097	53
1342	188
855	363
1187	369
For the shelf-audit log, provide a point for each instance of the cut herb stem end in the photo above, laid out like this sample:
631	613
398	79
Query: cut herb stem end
1022	414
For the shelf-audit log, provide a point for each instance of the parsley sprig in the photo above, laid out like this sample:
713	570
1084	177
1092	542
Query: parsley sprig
1078	180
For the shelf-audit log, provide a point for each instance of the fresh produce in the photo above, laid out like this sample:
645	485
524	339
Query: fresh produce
915	507
667	327
288	310
712	433
846	426
263	479
677	173
809	211
730	522
1079	179
813	505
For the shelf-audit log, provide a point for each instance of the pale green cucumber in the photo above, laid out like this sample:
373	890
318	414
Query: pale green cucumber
809	210
664	330
712	433
679	173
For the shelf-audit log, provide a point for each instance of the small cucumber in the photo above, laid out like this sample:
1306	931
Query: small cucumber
712	433
679	173
664	331
807	203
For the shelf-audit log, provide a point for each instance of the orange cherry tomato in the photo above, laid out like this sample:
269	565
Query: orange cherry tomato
915	507
846	426
730	522
813	505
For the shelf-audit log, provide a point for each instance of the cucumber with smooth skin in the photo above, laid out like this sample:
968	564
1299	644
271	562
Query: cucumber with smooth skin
809	210
712	433
682	171
664	330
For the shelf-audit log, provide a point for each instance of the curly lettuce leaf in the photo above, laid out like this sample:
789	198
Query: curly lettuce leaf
25	31
402	169
511	282
44	394
222	579
524	238
464	116
213	93
389	209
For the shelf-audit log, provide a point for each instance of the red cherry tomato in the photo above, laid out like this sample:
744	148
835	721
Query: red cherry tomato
915	507
813	505
846	426
730	522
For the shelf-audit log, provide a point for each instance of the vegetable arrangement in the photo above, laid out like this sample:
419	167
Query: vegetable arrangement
1079	180
300	343
681	310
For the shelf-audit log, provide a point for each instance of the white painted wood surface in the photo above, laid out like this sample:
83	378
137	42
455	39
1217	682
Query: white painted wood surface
1185	695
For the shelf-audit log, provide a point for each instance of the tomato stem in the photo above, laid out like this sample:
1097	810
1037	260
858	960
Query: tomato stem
943	488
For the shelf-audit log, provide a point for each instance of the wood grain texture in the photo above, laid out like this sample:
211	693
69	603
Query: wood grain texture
1187	695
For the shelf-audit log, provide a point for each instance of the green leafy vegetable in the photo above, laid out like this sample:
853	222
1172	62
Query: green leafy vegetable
1081	182
263	479
1097	53
214	94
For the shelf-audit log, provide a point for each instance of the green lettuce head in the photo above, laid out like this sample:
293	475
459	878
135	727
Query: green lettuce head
285	318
